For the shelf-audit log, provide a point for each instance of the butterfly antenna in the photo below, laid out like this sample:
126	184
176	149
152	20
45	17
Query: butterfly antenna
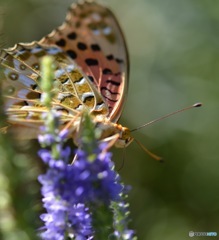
154	156
166	116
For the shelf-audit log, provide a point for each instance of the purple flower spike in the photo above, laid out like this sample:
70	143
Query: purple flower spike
78	197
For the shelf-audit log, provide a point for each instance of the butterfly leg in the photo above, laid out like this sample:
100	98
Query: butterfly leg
74	159
110	141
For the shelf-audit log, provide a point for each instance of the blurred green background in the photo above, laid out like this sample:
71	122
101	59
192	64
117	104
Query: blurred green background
174	54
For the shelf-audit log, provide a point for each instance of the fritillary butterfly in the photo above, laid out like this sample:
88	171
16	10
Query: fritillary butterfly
91	74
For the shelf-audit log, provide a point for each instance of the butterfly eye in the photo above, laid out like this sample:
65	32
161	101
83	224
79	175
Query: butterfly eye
126	136
128	141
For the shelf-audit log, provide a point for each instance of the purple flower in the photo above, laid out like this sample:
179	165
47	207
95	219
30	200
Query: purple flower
71	191
121	220
96	180
63	220
65	216
84	181
68	189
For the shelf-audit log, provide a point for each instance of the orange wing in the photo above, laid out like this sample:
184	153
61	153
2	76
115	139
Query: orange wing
92	37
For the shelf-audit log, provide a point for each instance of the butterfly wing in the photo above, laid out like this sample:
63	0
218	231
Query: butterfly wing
21	86
92	37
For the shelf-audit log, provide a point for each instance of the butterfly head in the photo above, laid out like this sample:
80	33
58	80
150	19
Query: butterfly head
125	137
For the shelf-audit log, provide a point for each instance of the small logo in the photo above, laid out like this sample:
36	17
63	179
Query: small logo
202	234
214	234
191	234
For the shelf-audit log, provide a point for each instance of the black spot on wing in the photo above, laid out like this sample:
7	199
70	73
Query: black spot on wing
22	67
118	60
99	104
106	89
81	46
91	78
62	110
78	80
91	61
13	76
95	47
88	99
36	66
72	36
22	103
113	82
107	71
110	57
72	54
110	99
61	42
33	86
64	80
33	95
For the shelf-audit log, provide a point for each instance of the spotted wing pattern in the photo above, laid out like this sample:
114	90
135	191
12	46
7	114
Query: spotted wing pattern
21	88
91	36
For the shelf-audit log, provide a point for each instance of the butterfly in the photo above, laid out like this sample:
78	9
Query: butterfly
92	68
